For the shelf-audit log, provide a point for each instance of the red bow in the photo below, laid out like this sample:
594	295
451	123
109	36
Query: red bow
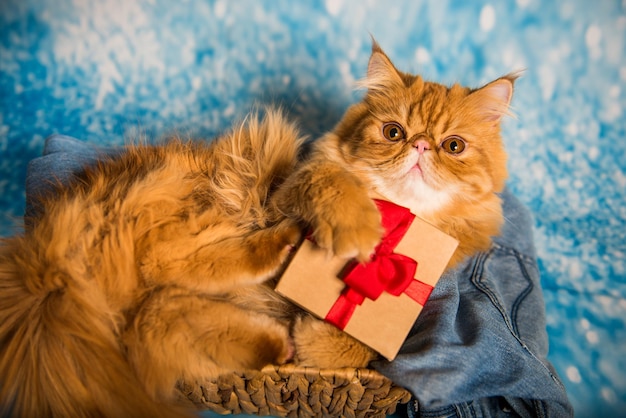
385	272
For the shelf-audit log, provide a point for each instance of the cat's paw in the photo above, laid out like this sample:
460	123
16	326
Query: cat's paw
352	230
270	248
269	343
322	345
287	235
276	351
287	354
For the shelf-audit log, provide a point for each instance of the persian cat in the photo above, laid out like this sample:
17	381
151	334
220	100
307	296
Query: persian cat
434	149
157	266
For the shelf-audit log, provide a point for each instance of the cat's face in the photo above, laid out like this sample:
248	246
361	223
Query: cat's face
422	144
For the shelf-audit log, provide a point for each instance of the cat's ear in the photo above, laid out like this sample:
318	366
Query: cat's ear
493	100
381	73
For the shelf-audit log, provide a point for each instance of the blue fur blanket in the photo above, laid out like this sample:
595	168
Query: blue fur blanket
106	70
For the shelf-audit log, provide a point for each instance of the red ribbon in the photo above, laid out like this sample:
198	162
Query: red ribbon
385	272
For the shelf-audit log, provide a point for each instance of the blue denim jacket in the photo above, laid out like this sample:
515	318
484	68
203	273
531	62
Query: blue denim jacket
479	347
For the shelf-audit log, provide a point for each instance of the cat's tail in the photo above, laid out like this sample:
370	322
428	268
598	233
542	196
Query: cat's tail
59	355
263	151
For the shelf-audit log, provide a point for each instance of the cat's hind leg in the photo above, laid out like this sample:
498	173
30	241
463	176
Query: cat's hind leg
177	335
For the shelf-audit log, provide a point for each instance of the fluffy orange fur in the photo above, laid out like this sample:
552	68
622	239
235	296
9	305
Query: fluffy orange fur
434	149
148	271
157	266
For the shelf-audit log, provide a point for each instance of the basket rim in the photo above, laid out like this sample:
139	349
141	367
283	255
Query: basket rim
348	373
288	389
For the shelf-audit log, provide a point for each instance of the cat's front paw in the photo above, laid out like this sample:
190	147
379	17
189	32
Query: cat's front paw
351	230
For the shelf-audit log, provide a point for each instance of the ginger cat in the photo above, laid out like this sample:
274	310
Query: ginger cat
157	266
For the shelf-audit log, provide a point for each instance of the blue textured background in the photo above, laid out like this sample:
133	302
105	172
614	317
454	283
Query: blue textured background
105	70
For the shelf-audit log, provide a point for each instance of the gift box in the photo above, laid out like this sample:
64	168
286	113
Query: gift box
375	302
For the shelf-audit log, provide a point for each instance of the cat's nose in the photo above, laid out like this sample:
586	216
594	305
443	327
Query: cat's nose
421	145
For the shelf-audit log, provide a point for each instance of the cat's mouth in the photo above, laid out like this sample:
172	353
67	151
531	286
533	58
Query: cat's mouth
415	176
417	170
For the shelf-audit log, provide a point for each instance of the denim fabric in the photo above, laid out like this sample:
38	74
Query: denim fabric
63	156
478	348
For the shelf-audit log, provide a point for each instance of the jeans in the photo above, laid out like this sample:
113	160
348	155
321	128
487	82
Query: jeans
479	347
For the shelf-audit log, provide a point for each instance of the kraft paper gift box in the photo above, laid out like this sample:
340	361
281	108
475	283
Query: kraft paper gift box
375	302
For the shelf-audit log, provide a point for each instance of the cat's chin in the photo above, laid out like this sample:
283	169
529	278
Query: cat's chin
417	195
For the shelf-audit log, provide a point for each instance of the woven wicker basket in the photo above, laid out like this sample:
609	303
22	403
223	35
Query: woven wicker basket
292	391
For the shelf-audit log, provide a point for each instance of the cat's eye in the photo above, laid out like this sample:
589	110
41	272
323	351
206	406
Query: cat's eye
453	144
392	131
